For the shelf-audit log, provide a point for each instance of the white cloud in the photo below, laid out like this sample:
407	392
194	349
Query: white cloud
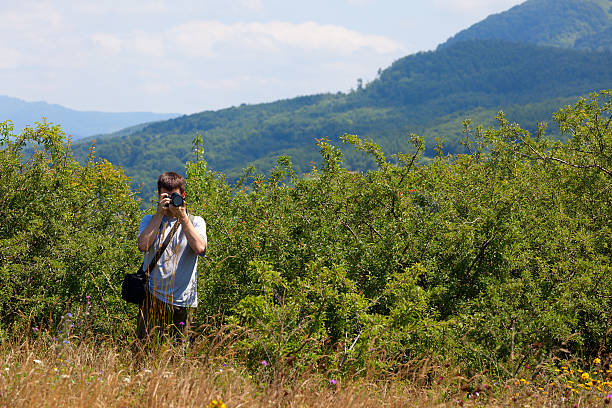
137	42
197	39
103	7
30	19
11	58
108	42
359	2
237	83
253	4
475	6
210	38
187	55
171	7
156	88
147	44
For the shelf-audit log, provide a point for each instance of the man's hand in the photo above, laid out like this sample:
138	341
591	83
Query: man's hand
166	209
163	205
177	212
194	239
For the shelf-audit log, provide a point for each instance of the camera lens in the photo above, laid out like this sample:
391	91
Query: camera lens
176	199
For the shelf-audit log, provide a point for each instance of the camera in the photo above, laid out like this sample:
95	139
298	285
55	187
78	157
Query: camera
176	199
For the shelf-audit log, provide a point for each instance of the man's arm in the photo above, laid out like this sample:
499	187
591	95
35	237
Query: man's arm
194	239
149	234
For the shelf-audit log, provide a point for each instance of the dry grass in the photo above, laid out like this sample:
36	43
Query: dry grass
107	374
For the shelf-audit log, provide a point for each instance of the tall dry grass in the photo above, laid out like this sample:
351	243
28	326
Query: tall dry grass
42	372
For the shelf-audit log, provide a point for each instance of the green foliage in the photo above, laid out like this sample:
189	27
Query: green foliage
498	258
428	93
582	24
67	231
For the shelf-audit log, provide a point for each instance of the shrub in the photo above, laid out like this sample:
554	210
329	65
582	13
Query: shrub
67	231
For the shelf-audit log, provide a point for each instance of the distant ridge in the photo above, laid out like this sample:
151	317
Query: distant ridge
559	23
427	93
543	61
79	124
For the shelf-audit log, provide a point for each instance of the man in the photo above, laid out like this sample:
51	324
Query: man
173	281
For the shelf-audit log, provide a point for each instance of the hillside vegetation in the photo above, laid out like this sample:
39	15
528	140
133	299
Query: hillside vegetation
496	261
427	93
582	24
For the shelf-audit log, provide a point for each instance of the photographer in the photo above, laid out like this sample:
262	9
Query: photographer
172	286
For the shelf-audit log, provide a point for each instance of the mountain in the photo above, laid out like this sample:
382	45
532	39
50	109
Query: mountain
584	24
599	41
428	93
77	123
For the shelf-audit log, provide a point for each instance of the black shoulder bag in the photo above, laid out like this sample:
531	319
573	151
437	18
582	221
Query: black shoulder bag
134	287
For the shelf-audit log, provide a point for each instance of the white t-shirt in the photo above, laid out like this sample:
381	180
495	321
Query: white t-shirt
174	279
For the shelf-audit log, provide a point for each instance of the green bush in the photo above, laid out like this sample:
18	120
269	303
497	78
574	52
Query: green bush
67	232
497	259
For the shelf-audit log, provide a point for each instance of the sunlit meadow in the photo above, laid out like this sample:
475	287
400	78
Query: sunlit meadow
65	367
473	280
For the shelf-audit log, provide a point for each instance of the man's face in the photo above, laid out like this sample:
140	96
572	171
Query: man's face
165	193
168	192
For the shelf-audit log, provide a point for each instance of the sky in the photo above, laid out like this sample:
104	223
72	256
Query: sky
187	56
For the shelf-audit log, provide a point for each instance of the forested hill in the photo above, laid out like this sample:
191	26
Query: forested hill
563	23
428	93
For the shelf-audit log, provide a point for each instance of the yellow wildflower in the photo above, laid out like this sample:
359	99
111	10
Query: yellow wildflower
597	361
216	404
585	376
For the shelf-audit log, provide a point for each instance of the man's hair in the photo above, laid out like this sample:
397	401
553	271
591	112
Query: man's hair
171	181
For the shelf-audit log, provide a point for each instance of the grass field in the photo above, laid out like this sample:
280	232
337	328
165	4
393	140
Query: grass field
43	371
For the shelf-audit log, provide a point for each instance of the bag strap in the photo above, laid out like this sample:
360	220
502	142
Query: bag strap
161	249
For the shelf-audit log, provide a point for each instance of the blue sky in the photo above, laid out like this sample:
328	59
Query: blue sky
187	56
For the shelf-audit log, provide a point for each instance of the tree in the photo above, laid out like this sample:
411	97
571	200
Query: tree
67	232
